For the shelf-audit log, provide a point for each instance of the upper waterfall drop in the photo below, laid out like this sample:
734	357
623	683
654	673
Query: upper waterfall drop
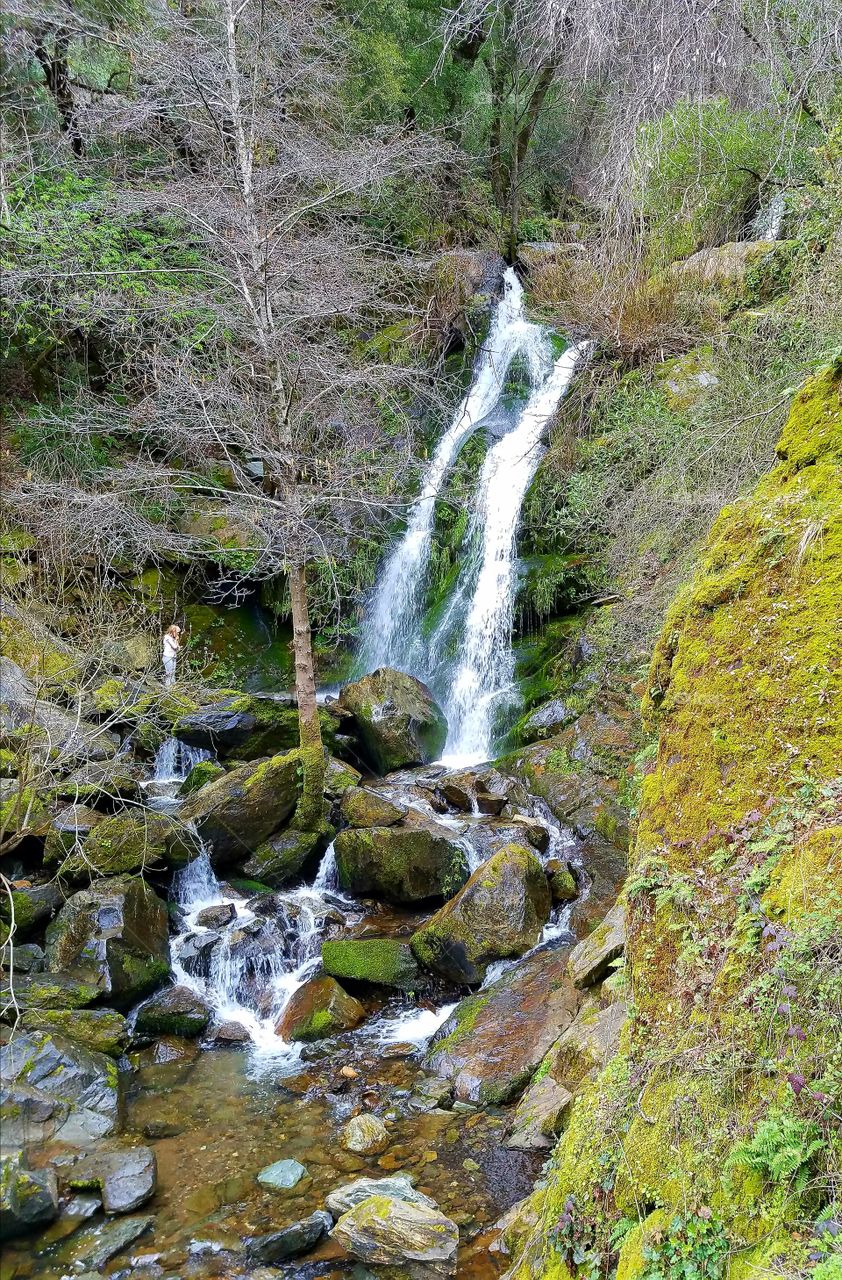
392	635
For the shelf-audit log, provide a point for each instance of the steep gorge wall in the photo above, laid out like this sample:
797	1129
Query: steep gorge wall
713	1137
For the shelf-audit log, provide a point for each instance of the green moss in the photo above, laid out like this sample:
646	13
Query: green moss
203	772
98	1029
23	810
382	961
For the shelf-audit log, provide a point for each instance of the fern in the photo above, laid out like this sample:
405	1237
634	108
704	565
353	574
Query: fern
781	1150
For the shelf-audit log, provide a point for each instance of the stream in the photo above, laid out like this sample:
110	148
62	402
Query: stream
214	1117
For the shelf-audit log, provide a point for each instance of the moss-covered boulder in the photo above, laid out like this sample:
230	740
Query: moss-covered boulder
69	829
407	1239
23	810
24	707
113	935
248	727
318	1009
135	840
282	858
385	962
177	1011
235	814
29	907
398	864
734	907
339	776
46	991
200	775
28	1197
103	784
498	915
44	658
562	880
102	1030
397	719
56	1089
361	807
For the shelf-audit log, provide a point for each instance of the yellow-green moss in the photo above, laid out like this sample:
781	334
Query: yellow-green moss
735	889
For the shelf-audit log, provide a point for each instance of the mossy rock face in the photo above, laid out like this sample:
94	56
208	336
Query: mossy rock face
45	659
339	777
318	1009
52	991
102	1030
397	719
498	915
248	727
200	775
235	814
28	1197
56	1089
32	908
363	808
384	962
133	841
22	809
399	865
113	935
734	892
178	1011
282	858
70	828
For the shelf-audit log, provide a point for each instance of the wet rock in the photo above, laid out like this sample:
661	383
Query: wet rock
281	859
102	1030
103	782
318	1009
536	833
29	958
238	812
591	958
53	1088
587	1044
49	991
133	841
492	1043
385	962
69	829
283	1175
200	775
220	727
298	1238
28	1197
399	865
230	1033
472	792
398	1187
538	1118
363	808
397	719
217	917
178	1011
391	1233
114	935
547	720
126	1177
169	1049
365	1135
432	1094
499	914
248	727
196	952
561	878
94	1246
339	777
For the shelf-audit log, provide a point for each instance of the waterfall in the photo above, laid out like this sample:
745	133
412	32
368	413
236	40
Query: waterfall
477	684
483	681
768	222
392	634
174	759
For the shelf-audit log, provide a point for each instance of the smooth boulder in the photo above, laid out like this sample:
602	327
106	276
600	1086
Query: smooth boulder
237	812
132	841
299	1237
398	721
499	914
113	935
396	1187
178	1011
282	858
363	808
318	1009
125	1176
385	962
384	1232
399	864
365	1135
68	737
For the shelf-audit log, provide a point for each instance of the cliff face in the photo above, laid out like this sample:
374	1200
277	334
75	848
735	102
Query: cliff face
713	1138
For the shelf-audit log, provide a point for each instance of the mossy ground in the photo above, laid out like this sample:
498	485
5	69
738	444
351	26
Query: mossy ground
714	1134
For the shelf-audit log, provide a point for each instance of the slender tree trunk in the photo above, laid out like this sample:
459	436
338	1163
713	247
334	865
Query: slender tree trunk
310	812
57	75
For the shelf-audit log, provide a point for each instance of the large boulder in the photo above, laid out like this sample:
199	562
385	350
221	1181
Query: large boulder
397	719
591	958
113	935
363	808
247	727
70	828
396	1187
282	858
399	864
132	841
386	962
28	1197
317	1009
177	1011
55	1089
235	814
103	783
418	1240
49	991
492	1043
126	1177
102	1030
32	905
499	914
67	737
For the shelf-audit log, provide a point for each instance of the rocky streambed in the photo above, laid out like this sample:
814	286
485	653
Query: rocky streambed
217	1027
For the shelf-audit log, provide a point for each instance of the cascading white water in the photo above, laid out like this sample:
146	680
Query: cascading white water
174	759
393	633
484	677
247	969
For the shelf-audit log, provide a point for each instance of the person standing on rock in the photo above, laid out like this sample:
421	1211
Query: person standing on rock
172	644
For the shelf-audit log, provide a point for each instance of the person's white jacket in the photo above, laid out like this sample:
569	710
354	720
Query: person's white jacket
171	648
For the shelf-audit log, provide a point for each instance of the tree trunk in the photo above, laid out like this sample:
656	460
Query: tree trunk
310	812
